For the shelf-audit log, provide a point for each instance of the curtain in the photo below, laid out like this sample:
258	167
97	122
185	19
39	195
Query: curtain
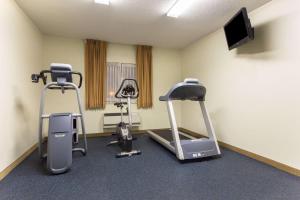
95	74
144	75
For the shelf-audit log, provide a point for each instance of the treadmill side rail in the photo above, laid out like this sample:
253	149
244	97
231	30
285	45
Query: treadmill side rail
162	141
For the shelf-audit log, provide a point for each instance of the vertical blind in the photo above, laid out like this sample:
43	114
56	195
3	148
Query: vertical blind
116	73
128	70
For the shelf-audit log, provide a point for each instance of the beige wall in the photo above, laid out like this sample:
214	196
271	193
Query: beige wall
253	91
166	72
20	55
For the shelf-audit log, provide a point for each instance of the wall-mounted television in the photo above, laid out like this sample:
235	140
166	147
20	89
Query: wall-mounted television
238	29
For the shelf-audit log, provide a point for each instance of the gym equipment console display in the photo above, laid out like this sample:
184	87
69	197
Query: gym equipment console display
62	129
183	144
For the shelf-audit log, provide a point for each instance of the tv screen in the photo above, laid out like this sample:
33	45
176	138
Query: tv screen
238	29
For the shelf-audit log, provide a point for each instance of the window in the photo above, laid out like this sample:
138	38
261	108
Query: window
116	73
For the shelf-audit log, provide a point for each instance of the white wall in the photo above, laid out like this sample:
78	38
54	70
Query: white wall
166	72
20	55
253	92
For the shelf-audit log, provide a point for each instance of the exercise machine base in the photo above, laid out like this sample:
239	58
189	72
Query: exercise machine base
128	154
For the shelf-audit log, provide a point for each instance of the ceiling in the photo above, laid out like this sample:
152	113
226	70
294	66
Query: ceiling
133	21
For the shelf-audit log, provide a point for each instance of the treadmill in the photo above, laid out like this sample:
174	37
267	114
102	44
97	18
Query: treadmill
185	146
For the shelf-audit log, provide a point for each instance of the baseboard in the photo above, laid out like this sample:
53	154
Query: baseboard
13	165
273	163
94	135
262	159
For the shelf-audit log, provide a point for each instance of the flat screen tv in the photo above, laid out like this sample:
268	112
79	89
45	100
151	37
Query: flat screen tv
238	29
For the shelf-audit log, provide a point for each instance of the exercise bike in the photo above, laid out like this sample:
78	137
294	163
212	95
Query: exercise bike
128	90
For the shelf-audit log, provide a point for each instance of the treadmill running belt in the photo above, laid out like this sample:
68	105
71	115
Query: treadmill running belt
167	135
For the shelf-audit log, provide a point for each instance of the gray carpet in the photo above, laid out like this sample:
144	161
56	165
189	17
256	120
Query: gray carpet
156	174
